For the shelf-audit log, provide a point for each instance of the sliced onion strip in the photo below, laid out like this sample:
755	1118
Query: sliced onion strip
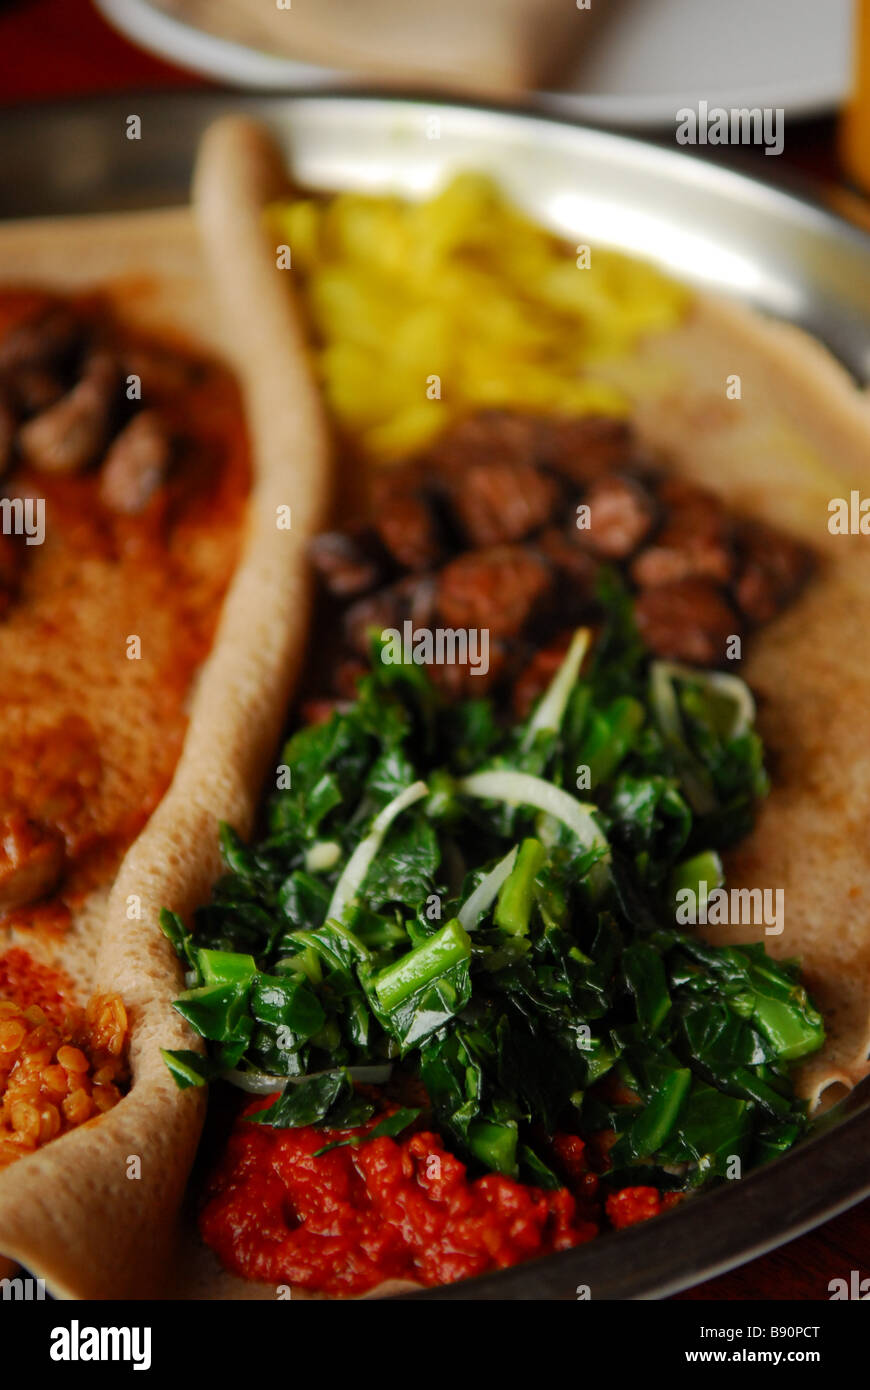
522	789
486	891
360	861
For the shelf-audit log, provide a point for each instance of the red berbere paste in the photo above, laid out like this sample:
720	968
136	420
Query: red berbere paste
634	1204
26	982
401	1208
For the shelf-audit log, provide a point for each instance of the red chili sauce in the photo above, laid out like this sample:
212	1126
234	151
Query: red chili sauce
344	1222
26	982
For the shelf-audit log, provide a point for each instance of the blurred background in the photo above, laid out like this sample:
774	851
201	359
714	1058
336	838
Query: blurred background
621	62
627	64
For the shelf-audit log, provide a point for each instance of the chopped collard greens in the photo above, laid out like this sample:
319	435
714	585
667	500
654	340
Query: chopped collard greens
491	908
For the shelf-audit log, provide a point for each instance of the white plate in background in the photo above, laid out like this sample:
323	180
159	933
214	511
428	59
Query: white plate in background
642	63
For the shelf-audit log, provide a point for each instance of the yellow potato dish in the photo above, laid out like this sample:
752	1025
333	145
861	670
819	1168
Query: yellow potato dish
423	312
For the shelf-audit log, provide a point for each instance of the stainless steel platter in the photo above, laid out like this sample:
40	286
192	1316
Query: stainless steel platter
707	224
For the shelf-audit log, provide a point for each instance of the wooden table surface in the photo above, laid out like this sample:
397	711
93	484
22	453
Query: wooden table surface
58	48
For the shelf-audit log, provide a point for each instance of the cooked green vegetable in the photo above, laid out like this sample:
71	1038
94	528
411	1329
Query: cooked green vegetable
514	907
433	893
432	958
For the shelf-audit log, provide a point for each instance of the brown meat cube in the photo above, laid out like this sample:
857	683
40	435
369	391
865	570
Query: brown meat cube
492	436
41	341
136	465
772	569
31	860
406	523
497	588
462	681
694	540
586	448
380	610
70	435
343	564
621	515
417	595
505	500
35	389
693	503
348	673
688	620
321	710
561	550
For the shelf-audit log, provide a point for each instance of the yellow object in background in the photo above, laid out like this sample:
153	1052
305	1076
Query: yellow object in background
424	312
855	128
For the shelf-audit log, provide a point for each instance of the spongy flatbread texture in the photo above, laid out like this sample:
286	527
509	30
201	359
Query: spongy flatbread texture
797	437
79	1212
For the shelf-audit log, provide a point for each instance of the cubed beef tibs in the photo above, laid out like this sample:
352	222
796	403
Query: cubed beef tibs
347	676
320	711
771	569
344	563
481	532
464	680
71	434
492	436
136	464
536	676
375	611
559	547
31	860
498	588
687	620
496	502
47	340
35	389
695	538
406	522
585	449
418	598
621	516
